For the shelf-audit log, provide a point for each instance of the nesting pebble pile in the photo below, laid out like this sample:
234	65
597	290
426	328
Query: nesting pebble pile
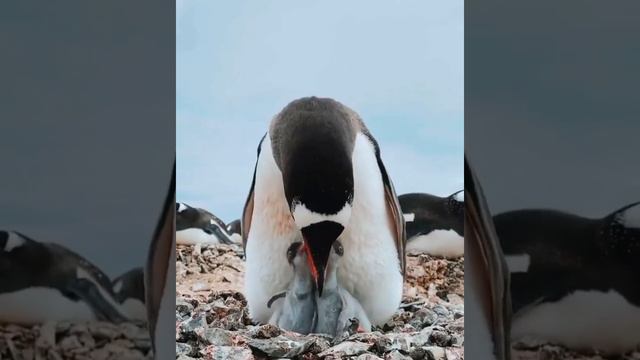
57	341
212	321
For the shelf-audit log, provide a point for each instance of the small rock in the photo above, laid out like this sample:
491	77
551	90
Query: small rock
197	321
440	338
267	331
183	308
453	354
47	337
70	343
347	348
104	331
396	355
227	352
200	287
423	318
368	356
441	310
183	349
214	336
281	346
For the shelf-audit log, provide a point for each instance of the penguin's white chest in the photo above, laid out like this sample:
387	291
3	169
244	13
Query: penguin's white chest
36	305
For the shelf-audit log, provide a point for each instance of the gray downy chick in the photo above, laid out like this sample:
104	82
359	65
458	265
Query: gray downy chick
297	311
336	306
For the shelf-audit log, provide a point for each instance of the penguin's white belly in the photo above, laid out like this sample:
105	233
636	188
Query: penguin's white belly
445	243
195	236
37	305
134	309
582	320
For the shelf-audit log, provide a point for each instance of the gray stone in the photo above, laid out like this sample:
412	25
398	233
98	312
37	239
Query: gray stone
281	346
347	348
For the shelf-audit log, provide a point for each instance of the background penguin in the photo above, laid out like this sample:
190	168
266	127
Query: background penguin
129	292
435	225
487	284
42	282
196	226
295	310
318	178
234	229
574	279
160	279
336	307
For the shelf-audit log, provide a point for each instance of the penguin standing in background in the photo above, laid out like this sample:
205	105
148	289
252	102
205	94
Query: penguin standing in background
129	292
319	178
41	282
487	284
574	279
160	279
234	229
435	225
198	226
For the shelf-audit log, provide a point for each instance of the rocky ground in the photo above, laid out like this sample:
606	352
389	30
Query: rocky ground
552	352
212	319
56	341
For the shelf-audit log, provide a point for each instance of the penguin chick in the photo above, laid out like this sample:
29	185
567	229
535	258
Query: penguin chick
297	311
337	307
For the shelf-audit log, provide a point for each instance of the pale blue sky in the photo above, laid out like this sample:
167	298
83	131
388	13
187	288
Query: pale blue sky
398	64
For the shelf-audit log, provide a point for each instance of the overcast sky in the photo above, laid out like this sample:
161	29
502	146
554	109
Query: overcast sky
552	111
398	64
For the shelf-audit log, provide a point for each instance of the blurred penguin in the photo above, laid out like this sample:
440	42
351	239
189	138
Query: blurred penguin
160	279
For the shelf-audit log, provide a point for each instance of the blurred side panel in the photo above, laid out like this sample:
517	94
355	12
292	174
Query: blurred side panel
87	149
551	129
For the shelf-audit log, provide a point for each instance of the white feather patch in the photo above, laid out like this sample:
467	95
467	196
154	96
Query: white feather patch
409	217
305	217
14	241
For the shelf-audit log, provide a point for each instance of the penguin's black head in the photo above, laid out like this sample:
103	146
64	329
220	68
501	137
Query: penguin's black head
312	141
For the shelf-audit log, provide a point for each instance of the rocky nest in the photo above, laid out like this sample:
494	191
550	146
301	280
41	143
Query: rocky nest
212	320
56	341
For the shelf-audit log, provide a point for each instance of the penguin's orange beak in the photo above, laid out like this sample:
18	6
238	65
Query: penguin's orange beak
317	266
318	243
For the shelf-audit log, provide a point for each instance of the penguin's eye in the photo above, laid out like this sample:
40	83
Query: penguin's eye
339	249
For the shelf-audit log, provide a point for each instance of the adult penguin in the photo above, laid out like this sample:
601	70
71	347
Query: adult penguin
318	178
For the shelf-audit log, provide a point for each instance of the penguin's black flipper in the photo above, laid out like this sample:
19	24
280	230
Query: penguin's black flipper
88	292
